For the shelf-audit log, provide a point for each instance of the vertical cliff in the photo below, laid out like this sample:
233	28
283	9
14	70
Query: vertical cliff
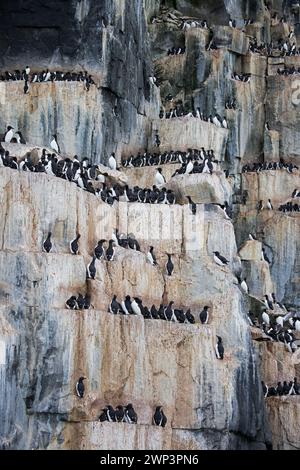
44	347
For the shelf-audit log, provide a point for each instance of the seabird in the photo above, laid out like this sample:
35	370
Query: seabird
268	303
47	245
219	348
265	256
74	247
71	303
219	259
159	179
204	315
260	206
54	144
91	269
99	250
127	305
110	413
110	252
192	205
114	307
112	162
169	265
269	204
130	414
189	317
244	286
265	318
20	138
80	387
80	301
8	134
103	416
151	256
159	417
135	307
124	306
119	414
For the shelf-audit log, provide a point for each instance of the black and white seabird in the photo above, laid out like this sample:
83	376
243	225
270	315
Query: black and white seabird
103	416
130	414
219	259
169	265
9	134
252	237
204	315
112	162
135	306
91	269
268	303
159	179
47	245
189	317
192	205
260	206
20	138
80	387
99	250
80	301
126	306
169	312
119	413
115	307
151	256
71	303
219	348
110	252
265	318
110	413
244	286
159	417
269	204
74	246
54	144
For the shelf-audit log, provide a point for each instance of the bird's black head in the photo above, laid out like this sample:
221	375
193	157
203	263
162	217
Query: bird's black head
219	338
206	307
216	253
9	128
81	379
129	406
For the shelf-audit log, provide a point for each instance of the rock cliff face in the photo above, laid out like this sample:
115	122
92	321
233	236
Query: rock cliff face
44	347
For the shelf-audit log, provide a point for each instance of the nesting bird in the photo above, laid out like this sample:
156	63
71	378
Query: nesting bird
47	245
159	418
74	246
80	387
